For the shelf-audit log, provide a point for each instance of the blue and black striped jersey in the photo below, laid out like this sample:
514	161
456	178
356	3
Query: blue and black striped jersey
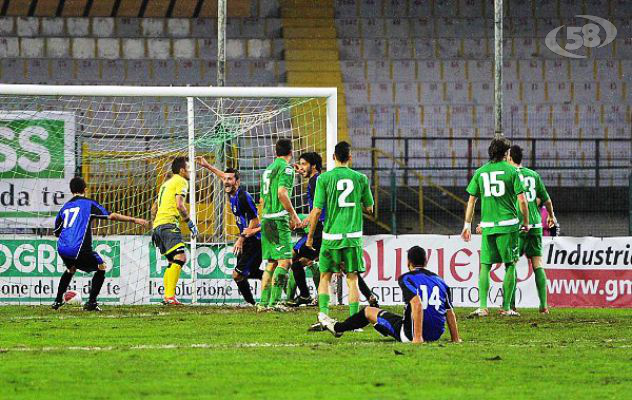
72	225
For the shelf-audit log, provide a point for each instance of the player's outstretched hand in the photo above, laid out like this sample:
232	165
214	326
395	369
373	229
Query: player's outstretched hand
140	221
466	234
201	161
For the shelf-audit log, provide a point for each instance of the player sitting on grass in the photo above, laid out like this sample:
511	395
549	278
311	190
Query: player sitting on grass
248	247
74	243
166	213
428	306
310	167
278	218
530	243
345	194
497	183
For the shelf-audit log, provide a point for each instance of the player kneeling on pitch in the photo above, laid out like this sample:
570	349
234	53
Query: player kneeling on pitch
72	227
428	306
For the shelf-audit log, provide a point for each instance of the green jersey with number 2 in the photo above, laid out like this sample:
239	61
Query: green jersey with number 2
278	174
534	189
497	184
343	192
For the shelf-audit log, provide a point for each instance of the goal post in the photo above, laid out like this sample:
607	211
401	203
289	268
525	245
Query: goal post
122	139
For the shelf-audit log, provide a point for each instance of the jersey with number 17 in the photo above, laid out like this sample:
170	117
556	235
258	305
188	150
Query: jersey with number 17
497	184
343	192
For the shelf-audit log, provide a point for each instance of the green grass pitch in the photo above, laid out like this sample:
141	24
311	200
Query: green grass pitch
223	353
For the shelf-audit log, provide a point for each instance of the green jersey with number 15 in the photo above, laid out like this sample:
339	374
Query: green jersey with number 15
534	189
497	184
278	174
343	192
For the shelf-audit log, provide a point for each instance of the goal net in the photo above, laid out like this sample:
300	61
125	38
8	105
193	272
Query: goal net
122	141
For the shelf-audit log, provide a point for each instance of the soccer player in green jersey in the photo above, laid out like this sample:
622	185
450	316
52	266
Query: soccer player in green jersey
345	194
497	183
530	243
278	218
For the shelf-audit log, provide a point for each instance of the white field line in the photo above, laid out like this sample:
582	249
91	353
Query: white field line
220	346
95	316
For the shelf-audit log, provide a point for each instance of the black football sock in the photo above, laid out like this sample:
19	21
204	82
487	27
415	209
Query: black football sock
244	289
97	283
63	286
299	277
356	321
364	288
256	274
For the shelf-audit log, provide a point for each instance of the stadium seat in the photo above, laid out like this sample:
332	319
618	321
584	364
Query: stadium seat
479	70
422	27
348	28
476	49
357	93
153	27
429	71
449	48
139	71
456	92
359	116
259	48
77	27
188	73
346	9
369	8
353	71
133	48
621	7
378	70
128	27
52	27
351	49
208	72
585	92
524	48
607	70
235	49
482	92
556	70
108	48
83	48
374	49
384	119
184	48
11	69
32	47
204	28
397	28
9	47
613	92
207	49
431	93
7	26
445	8
88	71
408	115
400	49
420	8
113	71
424	49
103	27
158	48
582	70
237	71
27	26
62	72
381	93
546	9
372	28
404	70
624	48
406	93
253	28
454	70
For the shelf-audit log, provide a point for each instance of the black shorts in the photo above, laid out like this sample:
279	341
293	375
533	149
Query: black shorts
168	238
250	257
88	261
390	324
302	251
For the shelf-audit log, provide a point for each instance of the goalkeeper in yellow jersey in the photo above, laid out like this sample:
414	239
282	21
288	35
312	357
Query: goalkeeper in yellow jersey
166	213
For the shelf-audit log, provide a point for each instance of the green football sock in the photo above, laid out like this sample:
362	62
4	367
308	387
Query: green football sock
483	285
315	274
323	303
280	279
291	286
353	308
540	283
509	285
265	295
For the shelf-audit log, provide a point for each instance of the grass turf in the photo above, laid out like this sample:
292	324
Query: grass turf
210	352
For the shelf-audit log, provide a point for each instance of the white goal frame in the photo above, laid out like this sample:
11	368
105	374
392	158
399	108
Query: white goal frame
190	92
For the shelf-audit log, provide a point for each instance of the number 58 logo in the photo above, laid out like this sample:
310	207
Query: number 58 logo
581	36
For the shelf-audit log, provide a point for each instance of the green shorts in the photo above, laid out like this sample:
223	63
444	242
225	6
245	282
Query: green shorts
276	239
499	248
348	259
530	243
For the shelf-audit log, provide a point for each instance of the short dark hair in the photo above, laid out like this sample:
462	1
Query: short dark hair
177	164
314	159
343	151
498	148
77	185
232	171
417	256
283	147
515	152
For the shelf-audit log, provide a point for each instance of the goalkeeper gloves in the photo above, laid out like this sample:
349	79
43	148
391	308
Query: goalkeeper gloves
192	228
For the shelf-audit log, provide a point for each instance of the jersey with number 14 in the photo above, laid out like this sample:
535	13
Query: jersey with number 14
534	190
278	174
497	184
343	192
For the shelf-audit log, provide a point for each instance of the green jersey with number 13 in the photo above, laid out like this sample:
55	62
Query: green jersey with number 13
343	192
497	184
534	189
278	174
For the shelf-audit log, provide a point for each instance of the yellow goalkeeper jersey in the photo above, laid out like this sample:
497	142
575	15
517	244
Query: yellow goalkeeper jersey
167	208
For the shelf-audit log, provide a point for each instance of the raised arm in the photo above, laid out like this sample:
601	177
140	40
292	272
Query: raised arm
417	313
126	218
201	161
466	234
452	326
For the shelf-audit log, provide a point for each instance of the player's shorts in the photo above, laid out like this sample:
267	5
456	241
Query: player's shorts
302	251
276	239
167	238
88	261
393	325
250	257
348	260
530	243
499	248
